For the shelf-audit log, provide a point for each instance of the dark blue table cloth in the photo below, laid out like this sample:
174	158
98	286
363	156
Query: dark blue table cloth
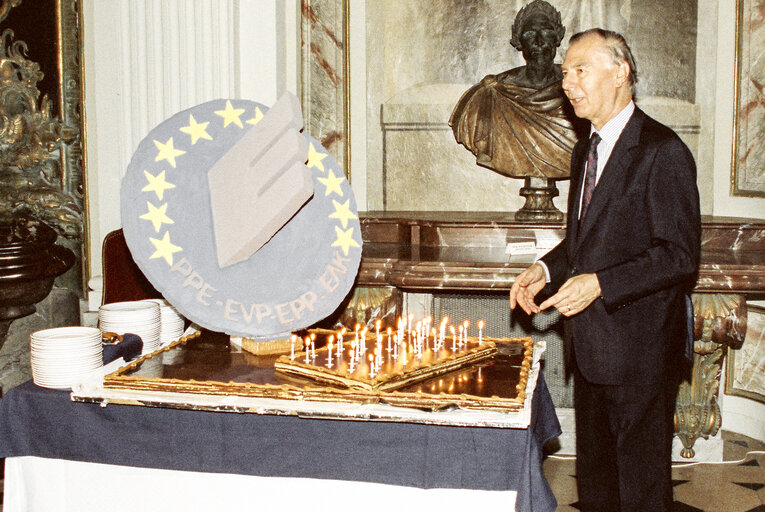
46	423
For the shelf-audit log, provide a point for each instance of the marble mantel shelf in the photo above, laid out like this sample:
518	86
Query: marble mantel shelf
466	251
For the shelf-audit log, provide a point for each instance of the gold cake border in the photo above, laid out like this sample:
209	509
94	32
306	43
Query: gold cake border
419	400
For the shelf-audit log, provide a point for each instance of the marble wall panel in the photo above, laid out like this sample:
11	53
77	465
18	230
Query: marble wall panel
749	171
323	80
746	372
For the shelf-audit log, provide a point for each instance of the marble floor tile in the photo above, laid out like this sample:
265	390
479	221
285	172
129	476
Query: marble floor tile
735	485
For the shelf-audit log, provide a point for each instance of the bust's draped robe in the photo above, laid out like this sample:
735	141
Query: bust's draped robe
516	131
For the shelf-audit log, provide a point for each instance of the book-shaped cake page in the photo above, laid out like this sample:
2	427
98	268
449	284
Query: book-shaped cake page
243	222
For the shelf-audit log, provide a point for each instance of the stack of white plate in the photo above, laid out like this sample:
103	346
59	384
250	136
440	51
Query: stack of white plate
62	355
171	322
141	317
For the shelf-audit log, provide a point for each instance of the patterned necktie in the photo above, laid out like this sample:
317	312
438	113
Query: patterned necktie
590	174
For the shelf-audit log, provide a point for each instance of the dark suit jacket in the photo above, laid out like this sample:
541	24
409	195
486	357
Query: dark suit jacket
641	236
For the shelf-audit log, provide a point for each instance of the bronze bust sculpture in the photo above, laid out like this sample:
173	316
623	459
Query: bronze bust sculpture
519	122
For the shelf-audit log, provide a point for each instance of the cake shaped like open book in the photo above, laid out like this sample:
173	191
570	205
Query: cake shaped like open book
376	363
433	375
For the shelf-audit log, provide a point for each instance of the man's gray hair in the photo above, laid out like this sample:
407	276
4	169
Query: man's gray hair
617	47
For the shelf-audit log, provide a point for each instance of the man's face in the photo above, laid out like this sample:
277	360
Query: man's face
538	39
592	82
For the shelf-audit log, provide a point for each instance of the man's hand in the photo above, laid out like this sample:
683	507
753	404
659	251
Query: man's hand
575	295
525	288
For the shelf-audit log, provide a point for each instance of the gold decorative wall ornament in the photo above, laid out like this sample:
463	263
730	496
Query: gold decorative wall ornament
719	321
369	304
31	179
7	5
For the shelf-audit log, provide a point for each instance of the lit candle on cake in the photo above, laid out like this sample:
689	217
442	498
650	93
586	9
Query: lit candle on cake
461	329
442	334
372	372
340	345
378	335
292	347
418	337
356	341
480	332
454	338
389	332
307	347
466	323
330	346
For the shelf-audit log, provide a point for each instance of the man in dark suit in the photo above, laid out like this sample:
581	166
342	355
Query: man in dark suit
620	278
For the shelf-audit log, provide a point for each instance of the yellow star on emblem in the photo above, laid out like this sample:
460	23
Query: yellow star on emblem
257	118
332	184
157	216
164	248
345	240
342	212
315	158
157	184
196	130
167	151
231	115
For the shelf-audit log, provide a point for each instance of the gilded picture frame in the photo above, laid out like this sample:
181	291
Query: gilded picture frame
748	159
745	376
